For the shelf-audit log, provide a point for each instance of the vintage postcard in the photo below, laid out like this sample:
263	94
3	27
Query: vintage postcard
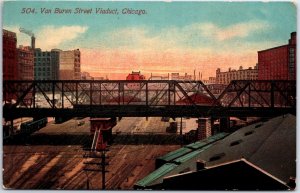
137	95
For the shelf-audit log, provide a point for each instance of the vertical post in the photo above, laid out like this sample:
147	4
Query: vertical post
62	94
212	126
87	183
76	93
174	93
180	126
103	169
12	126
123	93
53	94
119	100
33	97
146	94
249	95
100	94
169	94
4	92
272	94
91	93
224	124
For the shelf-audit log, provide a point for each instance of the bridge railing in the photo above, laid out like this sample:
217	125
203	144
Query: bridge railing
70	93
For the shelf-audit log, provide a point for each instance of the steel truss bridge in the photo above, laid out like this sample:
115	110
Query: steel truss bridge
142	98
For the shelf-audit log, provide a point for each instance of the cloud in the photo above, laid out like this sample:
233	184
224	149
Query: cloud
205	36
52	37
22	39
49	37
240	30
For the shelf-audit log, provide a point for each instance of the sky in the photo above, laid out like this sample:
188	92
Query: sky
169	37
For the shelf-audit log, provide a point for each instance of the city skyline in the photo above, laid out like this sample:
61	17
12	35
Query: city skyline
170	37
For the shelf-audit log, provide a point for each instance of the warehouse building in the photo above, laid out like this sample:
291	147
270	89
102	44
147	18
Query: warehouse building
278	63
46	64
10	69
69	65
261	156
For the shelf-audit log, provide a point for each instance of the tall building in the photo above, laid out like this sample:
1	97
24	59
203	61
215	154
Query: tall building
46	64
231	74
69	65
10	68
278	63
25	63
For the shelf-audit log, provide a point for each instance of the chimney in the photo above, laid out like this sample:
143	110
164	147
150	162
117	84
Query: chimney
200	165
32	42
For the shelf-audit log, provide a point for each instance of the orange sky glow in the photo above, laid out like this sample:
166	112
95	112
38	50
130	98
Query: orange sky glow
122	62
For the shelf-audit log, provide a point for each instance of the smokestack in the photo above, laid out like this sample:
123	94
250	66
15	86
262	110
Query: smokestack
32	42
195	74
28	32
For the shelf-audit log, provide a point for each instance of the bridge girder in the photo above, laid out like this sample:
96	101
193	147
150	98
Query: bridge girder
146	98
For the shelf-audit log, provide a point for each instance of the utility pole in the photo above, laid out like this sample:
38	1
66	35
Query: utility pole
181	131
102	164
103	169
98	140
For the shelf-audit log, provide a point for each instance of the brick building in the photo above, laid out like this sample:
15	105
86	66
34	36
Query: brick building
240	74
278	63
46	64
10	59
204	128
25	63
69	65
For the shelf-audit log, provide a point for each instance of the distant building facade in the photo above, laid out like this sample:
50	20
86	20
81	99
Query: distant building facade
211	80
10	59
46	64
25	63
159	77
176	76
278	63
241	74
86	76
69	65
99	78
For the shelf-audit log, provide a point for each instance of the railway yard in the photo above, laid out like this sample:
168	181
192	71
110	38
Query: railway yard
54	157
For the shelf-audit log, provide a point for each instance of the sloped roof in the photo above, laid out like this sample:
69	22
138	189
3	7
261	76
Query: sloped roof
270	145
197	98
235	175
